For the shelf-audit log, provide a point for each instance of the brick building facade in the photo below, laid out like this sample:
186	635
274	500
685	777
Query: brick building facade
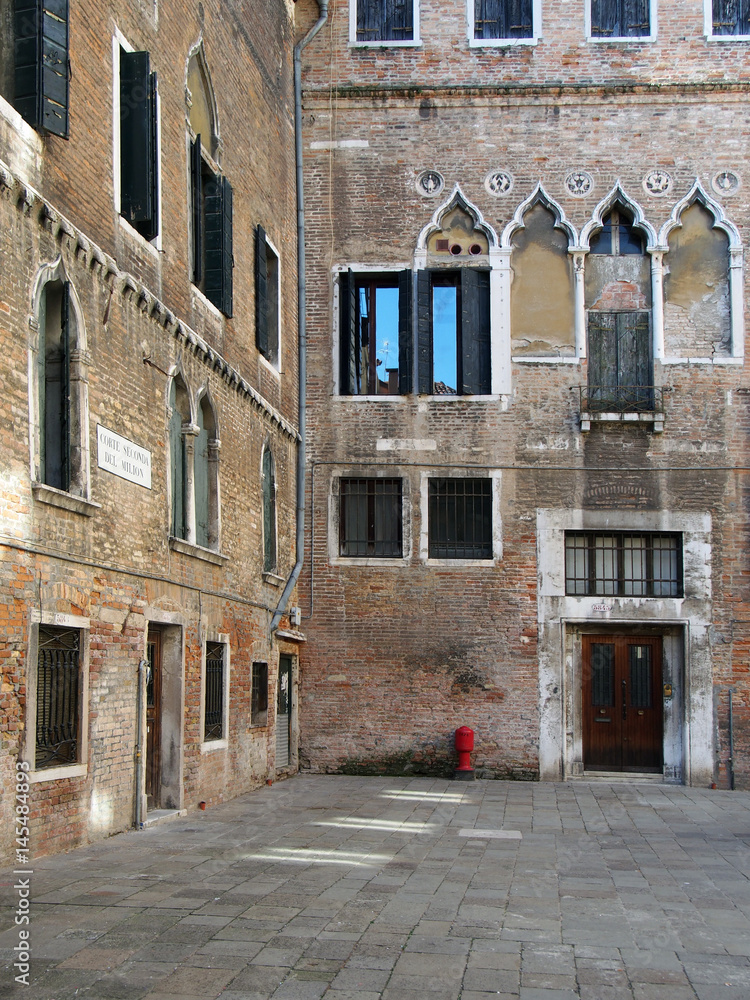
527	403
149	408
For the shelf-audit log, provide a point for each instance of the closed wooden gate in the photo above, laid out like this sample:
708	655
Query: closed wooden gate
153	719
622	703
283	712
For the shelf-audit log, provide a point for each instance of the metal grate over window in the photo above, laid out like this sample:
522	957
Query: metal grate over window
370	518
259	695
621	564
460	519
57	699
214	713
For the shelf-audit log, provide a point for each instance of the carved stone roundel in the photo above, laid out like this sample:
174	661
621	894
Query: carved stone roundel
430	183
579	183
657	182
499	182
726	182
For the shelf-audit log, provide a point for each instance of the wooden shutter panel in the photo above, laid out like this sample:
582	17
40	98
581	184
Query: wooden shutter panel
349	341
424	333
602	358
519	19
261	292
138	176
475	331
41	64
634	360
217	235
731	17
635	17
604	19
405	332
196	186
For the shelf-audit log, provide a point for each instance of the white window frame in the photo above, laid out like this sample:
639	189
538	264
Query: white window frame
708	26
623	39
497	526
155	245
388	42
80	767
207	746
477	43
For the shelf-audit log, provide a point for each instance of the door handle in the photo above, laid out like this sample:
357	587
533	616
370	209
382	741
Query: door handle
624	701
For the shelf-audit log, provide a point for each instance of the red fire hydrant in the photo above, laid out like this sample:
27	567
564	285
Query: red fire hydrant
464	746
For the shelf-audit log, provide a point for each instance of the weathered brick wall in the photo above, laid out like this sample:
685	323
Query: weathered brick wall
399	656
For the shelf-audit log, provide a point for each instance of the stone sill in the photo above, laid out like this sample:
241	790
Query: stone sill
273	579
197	551
64	500
656	419
291	635
58	773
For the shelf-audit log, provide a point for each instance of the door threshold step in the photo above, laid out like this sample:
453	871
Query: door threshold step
155	817
621	776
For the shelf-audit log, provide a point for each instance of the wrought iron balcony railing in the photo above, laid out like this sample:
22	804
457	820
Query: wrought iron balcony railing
621	398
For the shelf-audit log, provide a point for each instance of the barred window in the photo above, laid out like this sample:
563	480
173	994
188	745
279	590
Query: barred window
259	695
620	564
58	697
460	519
213	726
370	518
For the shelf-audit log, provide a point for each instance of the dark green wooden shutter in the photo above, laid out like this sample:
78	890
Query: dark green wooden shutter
200	481
261	292
42	64
405	332
138	169
196	179
55	386
424	333
348	335
475	332
634	360
217	254
177	464
731	17
602	360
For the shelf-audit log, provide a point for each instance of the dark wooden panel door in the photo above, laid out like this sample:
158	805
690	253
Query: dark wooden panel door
153	719
622	704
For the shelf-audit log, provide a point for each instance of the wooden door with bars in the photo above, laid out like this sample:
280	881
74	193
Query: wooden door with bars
623	727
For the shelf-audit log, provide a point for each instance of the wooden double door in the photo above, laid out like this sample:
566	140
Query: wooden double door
623	724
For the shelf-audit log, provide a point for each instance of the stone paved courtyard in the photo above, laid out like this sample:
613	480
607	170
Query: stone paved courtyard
404	889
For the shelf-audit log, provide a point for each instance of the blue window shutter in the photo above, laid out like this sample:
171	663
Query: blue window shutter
42	64
269	513
196	186
138	169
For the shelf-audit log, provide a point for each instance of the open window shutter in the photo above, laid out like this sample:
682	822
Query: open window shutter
196	186
349	341
217	234
137	148
65	379
405	332
227	258
41	64
424	333
261	292
475	331
602	357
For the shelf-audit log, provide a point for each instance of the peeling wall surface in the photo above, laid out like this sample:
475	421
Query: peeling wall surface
542	142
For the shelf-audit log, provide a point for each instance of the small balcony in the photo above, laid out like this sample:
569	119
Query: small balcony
642	404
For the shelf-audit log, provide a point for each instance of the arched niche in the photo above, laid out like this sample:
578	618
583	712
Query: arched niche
201	101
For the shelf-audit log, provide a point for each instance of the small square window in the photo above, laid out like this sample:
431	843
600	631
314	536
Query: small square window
384	20
503	19
620	18
259	695
460	519
370	518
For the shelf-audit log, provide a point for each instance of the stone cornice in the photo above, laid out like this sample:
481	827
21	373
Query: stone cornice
30	202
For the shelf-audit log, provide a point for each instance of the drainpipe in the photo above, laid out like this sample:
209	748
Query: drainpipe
138	741
302	315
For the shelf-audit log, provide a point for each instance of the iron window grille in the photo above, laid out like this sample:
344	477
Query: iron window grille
57	697
214	692
503	19
460	519
370	518
385	20
259	695
731	17
621	564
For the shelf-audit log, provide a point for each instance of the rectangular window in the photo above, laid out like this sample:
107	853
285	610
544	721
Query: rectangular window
620	366
212	231
370	518
503	19
376	338
453	340
620	18
267	297
214	694
259	695
620	564
731	17
384	20
460	519
139	175
58	697
40	29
